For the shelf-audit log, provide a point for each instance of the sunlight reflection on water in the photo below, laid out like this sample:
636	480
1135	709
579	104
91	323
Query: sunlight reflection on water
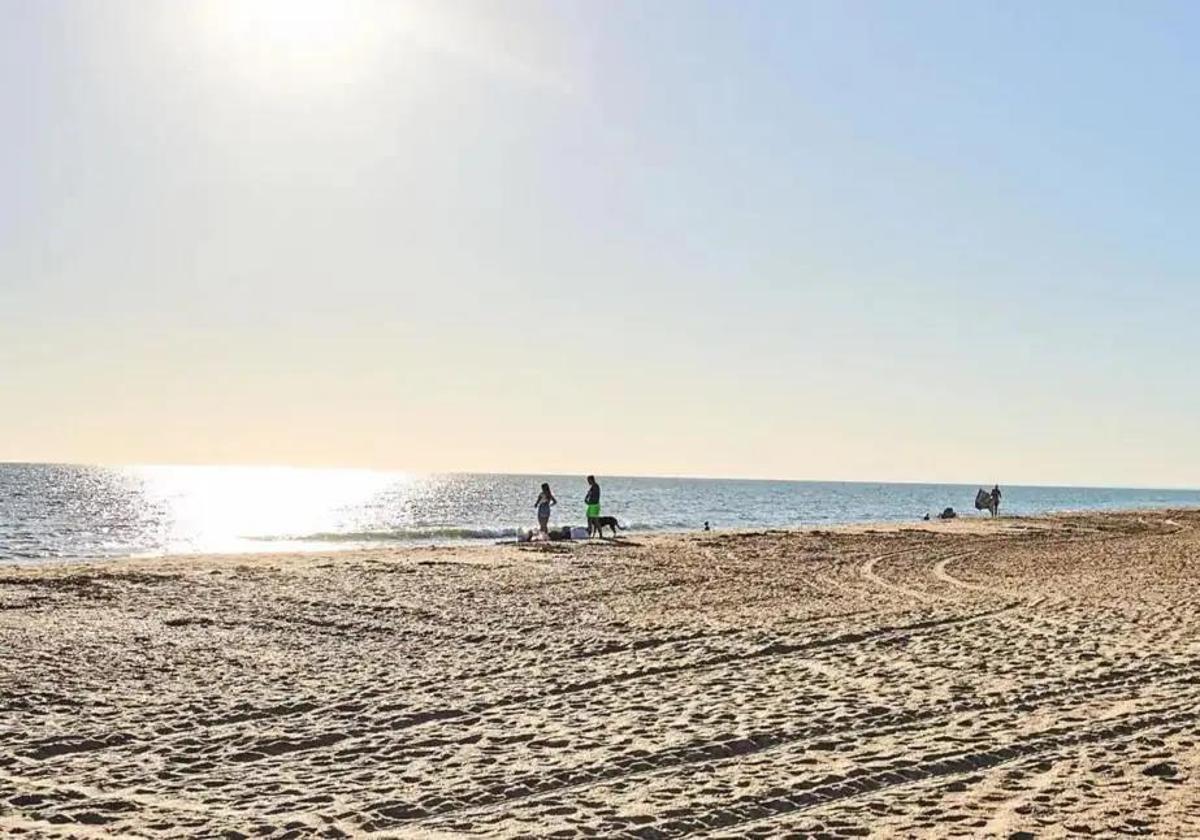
62	511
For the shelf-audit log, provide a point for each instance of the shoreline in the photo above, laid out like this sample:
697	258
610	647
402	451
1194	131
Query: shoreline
964	522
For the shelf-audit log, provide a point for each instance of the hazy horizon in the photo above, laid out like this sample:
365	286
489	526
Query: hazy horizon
580	474
817	241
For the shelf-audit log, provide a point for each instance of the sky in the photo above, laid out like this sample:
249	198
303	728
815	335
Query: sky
829	240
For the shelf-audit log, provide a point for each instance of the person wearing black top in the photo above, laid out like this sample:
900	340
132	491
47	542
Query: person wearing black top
592	500
543	504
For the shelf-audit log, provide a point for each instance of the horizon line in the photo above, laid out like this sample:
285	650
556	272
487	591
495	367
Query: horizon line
556	474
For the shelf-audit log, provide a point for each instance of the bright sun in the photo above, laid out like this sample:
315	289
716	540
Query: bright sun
289	44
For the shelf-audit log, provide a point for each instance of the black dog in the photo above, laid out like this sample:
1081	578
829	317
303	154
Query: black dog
603	522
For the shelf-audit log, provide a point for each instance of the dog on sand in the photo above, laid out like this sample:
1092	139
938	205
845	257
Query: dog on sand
603	522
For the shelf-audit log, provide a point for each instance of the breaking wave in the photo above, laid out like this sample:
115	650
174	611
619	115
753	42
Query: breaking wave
441	533
401	535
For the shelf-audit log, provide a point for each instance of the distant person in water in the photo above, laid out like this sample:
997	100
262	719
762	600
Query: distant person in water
706	528
996	500
544	500
592	500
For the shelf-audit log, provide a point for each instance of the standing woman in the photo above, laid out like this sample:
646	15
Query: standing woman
544	500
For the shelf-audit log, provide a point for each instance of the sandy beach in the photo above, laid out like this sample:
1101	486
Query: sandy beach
1017	678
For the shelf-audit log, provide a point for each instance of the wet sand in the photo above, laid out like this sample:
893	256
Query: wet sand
1018	678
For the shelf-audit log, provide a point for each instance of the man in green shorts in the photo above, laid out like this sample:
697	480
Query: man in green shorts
592	500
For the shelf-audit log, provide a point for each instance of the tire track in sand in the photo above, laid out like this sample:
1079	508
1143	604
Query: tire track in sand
862	781
872	723
867	572
940	572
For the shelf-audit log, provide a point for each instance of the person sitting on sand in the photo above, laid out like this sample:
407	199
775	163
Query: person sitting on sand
544	500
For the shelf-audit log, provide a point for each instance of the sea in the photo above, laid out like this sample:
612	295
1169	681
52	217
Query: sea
52	512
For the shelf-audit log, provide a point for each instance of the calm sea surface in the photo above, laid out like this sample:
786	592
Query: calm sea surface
52	511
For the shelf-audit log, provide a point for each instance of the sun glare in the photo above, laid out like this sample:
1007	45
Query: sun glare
285	44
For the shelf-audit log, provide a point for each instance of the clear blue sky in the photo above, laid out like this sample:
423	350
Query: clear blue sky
924	241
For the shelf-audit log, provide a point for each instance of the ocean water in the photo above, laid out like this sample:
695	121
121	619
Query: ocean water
52	511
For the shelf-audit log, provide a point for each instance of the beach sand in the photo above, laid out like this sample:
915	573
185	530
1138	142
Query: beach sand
1017	678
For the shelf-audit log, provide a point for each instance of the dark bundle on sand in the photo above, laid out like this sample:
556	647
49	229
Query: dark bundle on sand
985	500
